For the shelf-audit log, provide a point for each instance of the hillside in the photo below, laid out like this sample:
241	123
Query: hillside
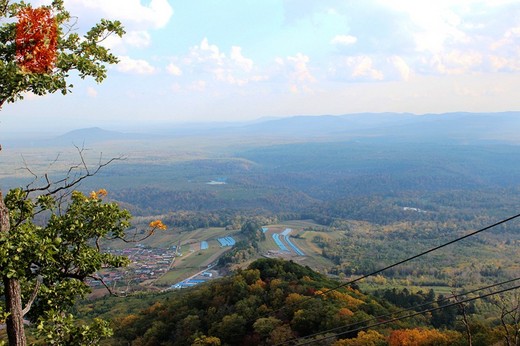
271	302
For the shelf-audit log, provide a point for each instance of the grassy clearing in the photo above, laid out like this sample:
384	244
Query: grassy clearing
174	276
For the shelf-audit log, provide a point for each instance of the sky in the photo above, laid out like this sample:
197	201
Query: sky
239	60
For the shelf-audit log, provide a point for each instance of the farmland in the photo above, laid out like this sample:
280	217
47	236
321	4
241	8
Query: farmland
159	263
353	205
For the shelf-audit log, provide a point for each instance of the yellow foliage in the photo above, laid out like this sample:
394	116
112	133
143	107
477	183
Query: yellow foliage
293	298
345	312
157	224
350	301
275	283
420	337
368	338
206	341
98	194
257	286
128	320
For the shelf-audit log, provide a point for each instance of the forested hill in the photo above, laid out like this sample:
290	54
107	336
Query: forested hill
273	302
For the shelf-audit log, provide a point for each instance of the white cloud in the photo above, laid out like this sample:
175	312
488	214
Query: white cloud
155	14
344	40
174	69
204	53
136	66
503	64
401	66
238	58
450	37
508	39
206	58
362	67
138	39
295	70
456	62
299	64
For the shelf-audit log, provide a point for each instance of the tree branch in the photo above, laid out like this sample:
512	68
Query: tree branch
33	296
3	11
100	279
70	180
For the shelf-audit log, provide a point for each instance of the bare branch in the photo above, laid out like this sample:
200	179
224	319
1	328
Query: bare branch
465	320
70	27
71	179
33	296
134	240
100	279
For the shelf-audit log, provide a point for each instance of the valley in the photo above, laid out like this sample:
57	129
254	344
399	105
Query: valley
343	205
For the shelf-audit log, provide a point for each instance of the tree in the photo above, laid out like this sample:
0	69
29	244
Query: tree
422	337
509	306
46	265
368	338
40	50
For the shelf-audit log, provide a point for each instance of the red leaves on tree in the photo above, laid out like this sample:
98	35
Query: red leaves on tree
36	40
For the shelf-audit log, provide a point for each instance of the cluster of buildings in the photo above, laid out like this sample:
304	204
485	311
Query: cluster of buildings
146	264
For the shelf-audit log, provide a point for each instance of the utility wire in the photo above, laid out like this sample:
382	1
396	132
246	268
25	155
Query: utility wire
404	261
408	316
400	311
413	257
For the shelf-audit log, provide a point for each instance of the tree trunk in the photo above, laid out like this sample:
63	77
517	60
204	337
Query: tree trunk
13	295
13	302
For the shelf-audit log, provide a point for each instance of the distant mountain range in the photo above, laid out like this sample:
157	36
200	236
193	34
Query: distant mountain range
454	127
465	127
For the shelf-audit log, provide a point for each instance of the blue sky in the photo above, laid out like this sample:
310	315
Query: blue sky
228	60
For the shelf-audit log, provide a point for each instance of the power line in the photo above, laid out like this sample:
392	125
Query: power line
413	257
400	311
408	316
403	261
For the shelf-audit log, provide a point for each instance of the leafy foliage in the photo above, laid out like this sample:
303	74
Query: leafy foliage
246	248
270	302
422	337
265	303
54	260
46	265
38	52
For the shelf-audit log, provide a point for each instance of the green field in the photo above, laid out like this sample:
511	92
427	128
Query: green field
193	259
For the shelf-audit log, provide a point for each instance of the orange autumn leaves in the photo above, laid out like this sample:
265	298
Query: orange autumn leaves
98	194
403	337
421	337
36	40
157	224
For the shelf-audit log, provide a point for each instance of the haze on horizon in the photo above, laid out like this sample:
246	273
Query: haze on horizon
223	60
